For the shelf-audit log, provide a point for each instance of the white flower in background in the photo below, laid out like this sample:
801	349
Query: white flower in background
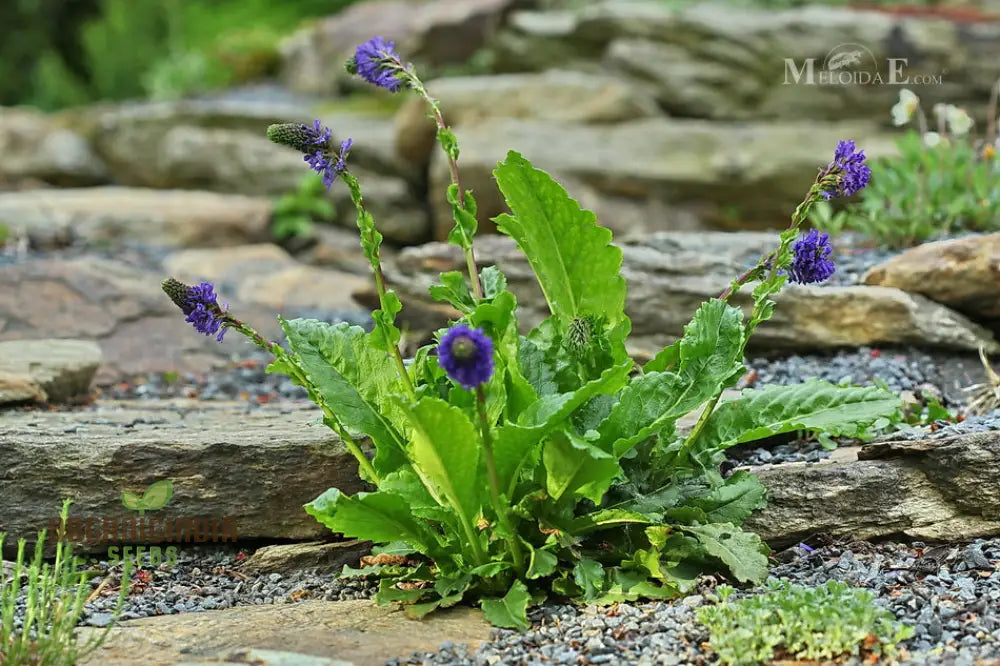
932	139
959	121
904	109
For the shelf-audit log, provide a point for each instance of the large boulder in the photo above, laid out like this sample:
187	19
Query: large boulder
435	33
962	273
62	369
130	446
108	215
670	274
746	175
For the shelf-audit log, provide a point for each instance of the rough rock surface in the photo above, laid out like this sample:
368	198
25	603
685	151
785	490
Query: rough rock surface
62	369
318	556
37	146
180	218
671	274
557	95
962	273
256	467
266	275
746	175
439	32
355	631
119	306
717	60
944	489
15	388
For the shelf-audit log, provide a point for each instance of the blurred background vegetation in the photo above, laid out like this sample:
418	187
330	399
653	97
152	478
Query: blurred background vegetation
58	53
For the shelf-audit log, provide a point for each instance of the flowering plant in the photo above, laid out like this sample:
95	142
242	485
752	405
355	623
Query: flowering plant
509	467
942	181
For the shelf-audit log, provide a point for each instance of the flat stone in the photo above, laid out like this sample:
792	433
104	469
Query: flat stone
671	274
63	369
936	489
962	273
110	214
355	631
748	175
224	461
319	556
229	266
304	287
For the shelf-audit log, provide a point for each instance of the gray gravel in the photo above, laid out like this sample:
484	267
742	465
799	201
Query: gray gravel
209	578
950	595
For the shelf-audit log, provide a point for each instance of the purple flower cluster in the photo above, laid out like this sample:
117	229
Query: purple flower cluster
811	262
466	354
201	306
377	62
323	162
847	174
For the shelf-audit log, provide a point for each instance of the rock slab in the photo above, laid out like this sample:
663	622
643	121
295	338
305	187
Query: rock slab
934	489
670	274
255	467
62	369
355	631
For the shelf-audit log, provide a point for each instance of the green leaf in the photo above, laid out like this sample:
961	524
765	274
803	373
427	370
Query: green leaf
813	405
576	265
445	451
465	217
157	495
511	611
454	290
576	468
493	281
742	552
355	380
385	335
666	359
709	358
517	445
380	516
542	563
589	575
604	519
733	502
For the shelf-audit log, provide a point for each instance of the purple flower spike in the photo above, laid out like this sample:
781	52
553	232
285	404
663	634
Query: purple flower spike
323	163
377	62
847	174
811	263
201	306
466	354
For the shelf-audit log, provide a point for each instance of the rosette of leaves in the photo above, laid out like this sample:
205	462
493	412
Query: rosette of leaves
606	500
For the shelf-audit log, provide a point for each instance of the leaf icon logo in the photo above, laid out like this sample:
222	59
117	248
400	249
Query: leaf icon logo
156	497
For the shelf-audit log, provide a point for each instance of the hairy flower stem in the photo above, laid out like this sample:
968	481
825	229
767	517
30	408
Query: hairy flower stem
769	264
371	240
450	148
299	375
499	507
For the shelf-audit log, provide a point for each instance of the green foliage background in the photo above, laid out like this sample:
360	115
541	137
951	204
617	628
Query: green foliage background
57	53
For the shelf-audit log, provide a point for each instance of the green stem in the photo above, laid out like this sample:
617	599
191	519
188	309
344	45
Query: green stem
330	418
452	155
371	241
499	507
768	263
